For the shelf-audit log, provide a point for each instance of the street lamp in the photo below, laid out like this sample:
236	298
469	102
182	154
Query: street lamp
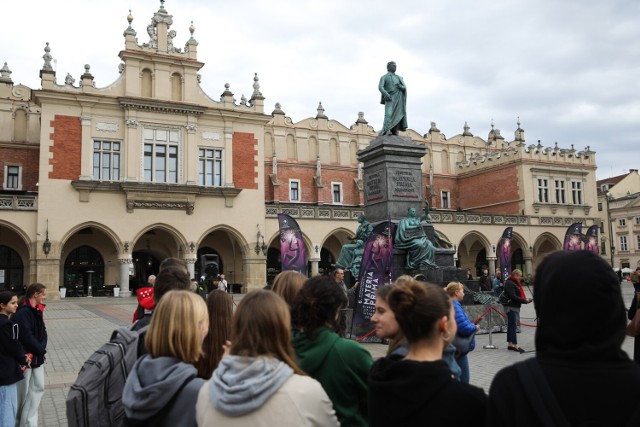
609	197
46	246
260	248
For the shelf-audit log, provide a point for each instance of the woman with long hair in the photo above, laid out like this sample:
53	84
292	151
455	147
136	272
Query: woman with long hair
465	327
339	364
163	384
287	284
12	356
259	381
420	388
220	308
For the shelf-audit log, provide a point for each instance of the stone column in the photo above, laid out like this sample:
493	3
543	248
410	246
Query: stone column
528	266
87	149
255	272
192	147
314	266
124	275
492	265
191	266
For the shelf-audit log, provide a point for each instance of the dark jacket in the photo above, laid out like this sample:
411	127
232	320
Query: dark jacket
410	393
341	366
33	333
11	352
512	291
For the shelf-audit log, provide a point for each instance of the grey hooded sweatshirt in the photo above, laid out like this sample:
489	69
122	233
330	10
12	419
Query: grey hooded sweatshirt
154	383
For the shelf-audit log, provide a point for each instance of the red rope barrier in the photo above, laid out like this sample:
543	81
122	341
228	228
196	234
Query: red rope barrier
501	314
365	336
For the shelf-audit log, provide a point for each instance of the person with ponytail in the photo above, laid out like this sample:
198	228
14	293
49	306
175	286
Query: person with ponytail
420	387
515	294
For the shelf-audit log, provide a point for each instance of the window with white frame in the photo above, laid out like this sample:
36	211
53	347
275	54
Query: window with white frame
336	191
160	152
560	192
106	160
294	190
622	222
576	192
210	167
638	242
543	190
12	177
444	196
623	243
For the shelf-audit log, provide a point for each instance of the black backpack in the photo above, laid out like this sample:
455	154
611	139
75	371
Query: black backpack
95	399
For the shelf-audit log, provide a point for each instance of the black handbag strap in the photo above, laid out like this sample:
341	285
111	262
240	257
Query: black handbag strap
540	395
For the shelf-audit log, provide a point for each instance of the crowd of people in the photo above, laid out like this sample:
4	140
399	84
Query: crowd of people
278	357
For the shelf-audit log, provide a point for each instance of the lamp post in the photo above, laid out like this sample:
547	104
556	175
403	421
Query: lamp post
611	238
46	246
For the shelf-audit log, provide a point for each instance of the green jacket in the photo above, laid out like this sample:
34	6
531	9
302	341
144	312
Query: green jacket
342	367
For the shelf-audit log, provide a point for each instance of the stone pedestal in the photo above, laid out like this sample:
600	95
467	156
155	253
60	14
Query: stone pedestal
392	177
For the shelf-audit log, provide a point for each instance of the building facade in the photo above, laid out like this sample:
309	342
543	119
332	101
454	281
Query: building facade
100	184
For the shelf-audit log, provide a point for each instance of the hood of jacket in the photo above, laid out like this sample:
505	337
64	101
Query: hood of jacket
152	384
581	314
312	353
243	384
408	383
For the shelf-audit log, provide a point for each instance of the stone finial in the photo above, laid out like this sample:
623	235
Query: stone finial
278	110
433	128
256	88
466	128
321	114
129	31
47	58
192	41
5	74
69	80
161	5
227	92
243	100
519	134
361	119
121	68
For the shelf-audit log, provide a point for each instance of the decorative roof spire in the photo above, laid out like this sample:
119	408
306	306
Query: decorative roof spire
129	30
227	92
321	114
256	88
5	74
434	128
466	130
191	41
361	118
162	6
519	132
47	59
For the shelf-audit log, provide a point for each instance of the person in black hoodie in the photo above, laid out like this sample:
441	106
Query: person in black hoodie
579	360
33	337
12	356
420	387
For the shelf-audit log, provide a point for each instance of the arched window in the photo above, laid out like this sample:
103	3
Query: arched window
82	264
333	151
268	145
313	148
291	148
445	161
353	152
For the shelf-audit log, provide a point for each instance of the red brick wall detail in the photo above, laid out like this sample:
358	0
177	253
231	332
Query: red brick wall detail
67	147
245	161
28	159
491	187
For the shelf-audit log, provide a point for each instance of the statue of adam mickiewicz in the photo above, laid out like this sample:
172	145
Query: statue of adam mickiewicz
394	98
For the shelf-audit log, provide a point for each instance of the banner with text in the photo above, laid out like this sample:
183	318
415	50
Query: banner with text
293	254
375	267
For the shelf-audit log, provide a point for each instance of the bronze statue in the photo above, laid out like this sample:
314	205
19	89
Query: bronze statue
394	98
411	238
348	254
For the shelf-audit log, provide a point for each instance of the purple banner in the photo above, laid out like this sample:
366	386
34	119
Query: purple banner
375	267
504	250
591	240
573	238
293	255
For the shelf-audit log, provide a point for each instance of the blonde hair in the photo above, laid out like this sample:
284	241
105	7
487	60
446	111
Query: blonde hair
262	327
454	287
287	284
176	324
516	272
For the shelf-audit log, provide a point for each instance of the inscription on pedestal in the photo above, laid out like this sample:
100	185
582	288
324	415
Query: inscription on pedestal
374	187
405	183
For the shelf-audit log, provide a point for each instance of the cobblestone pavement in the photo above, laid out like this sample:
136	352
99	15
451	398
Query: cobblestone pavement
79	326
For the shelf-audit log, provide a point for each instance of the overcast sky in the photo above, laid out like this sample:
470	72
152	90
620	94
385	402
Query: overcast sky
569	69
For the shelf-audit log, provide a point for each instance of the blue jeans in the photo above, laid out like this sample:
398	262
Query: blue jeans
463	362
513	317
8	405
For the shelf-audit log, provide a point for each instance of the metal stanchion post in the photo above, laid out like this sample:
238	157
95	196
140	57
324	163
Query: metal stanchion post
490	346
